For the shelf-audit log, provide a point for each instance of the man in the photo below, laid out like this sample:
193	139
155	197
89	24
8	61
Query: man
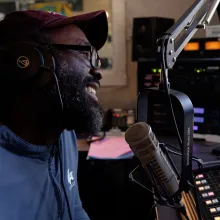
38	153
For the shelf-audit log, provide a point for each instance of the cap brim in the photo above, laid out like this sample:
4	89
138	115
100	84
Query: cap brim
94	25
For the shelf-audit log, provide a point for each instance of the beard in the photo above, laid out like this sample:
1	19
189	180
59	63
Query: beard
80	112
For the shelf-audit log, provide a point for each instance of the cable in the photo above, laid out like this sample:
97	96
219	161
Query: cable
59	93
174	148
196	159
61	163
199	161
166	88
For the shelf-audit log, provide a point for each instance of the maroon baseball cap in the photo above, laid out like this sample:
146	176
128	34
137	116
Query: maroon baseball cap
25	24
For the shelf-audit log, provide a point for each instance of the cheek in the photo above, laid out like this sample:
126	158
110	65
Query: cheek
77	61
71	70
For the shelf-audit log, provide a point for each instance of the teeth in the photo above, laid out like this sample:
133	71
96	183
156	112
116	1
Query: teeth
91	90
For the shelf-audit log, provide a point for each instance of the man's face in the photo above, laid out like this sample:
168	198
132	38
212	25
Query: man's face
77	82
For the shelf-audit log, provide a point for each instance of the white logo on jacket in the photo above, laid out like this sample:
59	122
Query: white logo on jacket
70	178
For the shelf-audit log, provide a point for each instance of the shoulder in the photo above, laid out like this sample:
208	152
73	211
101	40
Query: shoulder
68	143
69	137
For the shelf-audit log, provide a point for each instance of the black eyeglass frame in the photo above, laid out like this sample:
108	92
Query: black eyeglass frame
95	60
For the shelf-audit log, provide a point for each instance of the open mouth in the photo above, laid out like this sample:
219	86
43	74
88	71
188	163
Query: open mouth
91	88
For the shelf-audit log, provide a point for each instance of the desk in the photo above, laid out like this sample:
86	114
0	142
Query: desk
119	192
82	145
200	149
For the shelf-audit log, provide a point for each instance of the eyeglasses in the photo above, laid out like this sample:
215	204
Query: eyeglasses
93	56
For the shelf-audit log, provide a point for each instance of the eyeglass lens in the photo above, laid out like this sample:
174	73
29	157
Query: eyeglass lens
96	62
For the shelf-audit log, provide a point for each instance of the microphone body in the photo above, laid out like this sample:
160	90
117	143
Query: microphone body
145	147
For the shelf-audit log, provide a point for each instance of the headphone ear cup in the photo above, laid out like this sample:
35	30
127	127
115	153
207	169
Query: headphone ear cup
25	61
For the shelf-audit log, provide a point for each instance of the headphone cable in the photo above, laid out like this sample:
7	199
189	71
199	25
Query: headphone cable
61	162
59	93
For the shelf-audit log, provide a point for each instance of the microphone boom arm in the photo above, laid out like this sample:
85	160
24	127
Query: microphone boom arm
176	38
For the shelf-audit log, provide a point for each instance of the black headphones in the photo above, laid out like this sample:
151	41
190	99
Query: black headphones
26	63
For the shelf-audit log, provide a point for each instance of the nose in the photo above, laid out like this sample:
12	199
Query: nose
96	74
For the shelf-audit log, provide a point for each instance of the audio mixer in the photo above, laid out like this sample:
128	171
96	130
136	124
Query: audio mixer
207	184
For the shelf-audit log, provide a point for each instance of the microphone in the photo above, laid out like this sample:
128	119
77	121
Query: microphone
145	147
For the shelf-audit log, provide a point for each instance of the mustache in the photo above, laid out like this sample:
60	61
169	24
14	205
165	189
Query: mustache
90	79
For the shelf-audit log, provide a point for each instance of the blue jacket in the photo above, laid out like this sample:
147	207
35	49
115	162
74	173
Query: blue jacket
39	182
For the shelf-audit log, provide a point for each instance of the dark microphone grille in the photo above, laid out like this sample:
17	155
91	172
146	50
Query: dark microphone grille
136	132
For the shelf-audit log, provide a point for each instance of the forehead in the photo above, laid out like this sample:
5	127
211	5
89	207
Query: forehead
69	34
